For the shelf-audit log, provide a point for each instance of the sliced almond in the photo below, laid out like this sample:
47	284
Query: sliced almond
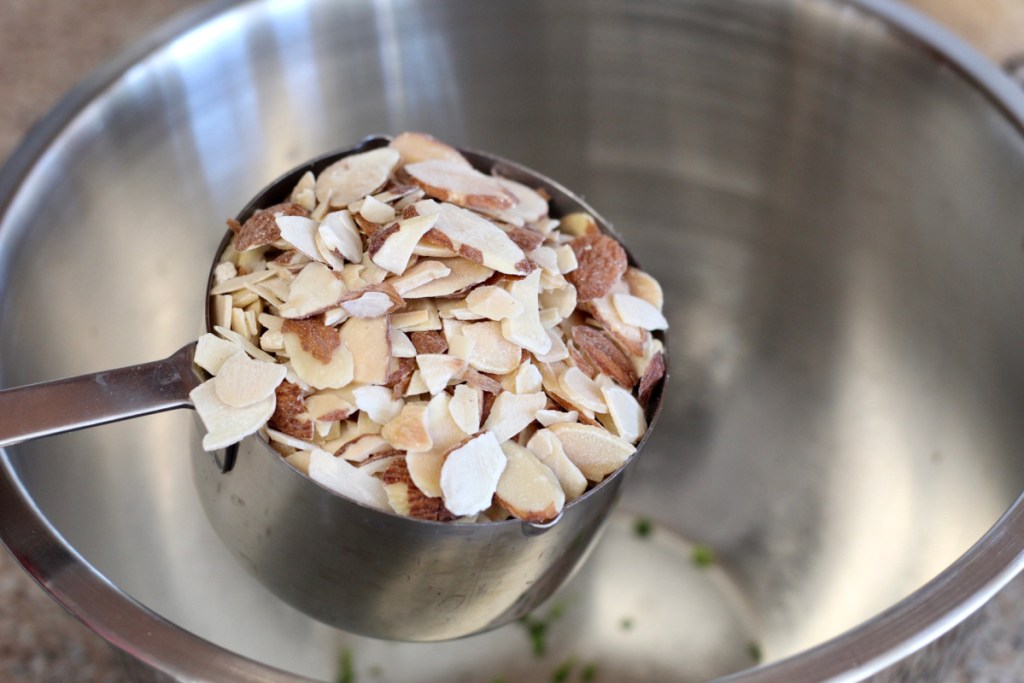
342	478
548	449
579	225
222	307
493	303
378	403
299	460
369	303
241	281
290	441
226	425
425	471
317	354
438	369
478	239
416	385
630	337
243	343
314	290
485	383
462	274
432	341
511	413
602	263
527	487
527	379
557	352
407	499
635	311
550	417
328	407
566	259
652	375
290	416
409	431
592	449
626	413
211	352
261	228
470	473
300	232
644	286
411	319
243	381
394	251
415	147
401	345
465	406
417	276
604	355
368	340
356	176
525	329
304	192
459	184
491	351
340	234
582	390
530	206
376	211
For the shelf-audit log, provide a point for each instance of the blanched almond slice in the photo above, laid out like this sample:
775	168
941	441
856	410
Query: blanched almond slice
592	449
356	176
418	275
438	369
242	381
550	417
368	339
548	449
376	211
483	382
470	473
465	406
416	384
409	431
394	250
493	303
566	259
527	487
530	206
317	353
626	413
462	275
579	225
226	425
314	290
341	477
425	471
288	440
644	286
401	346
477	239
525	329
444	431
458	184
239	282
301	233
582	390
369	304
304	192
378	403
415	147
410	319
557	352
461	346
635	311
211	352
243	344
491	351
511	413
299	460
339	233
527	379
222	307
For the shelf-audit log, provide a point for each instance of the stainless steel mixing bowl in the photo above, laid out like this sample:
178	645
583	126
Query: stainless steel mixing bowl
829	190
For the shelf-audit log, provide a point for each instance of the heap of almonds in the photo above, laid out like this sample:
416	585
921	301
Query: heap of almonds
425	339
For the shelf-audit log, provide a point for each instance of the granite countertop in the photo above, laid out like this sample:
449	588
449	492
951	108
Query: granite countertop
42	57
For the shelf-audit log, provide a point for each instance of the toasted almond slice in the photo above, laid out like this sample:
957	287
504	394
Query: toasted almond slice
243	344
592	449
493	303
635	311
417	276
328	407
644	286
438	369
339	233
491	351
527	379
548	449
415	147
579	225
511	413
401	346
462	275
393	251
314	290
527	487
356	176
376	211
344	479
459	184
465	406
477	239
300	232
242	381
226	425
550	417
582	390
299	460
409	431
425	471
626	413
525	329
368	340
317	353
378	403
211	352
470	473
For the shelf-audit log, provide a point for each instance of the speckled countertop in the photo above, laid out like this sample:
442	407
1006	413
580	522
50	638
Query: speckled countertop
46	46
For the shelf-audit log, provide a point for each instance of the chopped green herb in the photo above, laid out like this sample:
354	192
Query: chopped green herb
755	652
537	628
564	670
589	673
626	624
346	670
643	527
703	556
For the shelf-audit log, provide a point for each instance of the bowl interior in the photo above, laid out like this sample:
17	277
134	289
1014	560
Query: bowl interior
833	215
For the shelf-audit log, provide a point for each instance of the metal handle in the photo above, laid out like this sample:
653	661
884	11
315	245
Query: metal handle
66	405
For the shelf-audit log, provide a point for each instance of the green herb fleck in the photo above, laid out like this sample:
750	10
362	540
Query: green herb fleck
626	624
537	628
703	556
589	673
643	527
564	670
346	670
755	652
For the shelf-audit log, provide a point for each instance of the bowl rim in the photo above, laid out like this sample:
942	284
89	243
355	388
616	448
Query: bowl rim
905	627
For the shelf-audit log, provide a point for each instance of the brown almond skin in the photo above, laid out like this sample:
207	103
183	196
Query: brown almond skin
317	339
261	227
421	506
652	375
602	263
289	411
605	355
525	239
378	237
430	341
400	378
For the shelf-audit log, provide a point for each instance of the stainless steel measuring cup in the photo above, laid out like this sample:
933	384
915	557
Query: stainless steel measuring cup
348	565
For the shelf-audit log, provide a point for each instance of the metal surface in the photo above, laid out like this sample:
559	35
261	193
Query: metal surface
829	191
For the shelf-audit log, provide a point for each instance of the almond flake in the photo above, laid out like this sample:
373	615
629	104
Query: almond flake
604	355
369	304
579	225
243	344
493	303
417	276
378	403
290	416
550	417
525	329
566	259
425	471
409	431
261	228
344	479
465	406
438	369
462	274
301	233
527	379
530	206
635	311
211	352
315	289
459	184
630	337
401	345
222	307
511	413
223	271
592	449
416	147
491	351
317	353
299	460
410	320
416	385
652	375
242	381
602	263
226	425
290	441
367	339
339	233
478	239
355	176
432	341
395	250
470	473
328	407
445	432
239	282
548	449
304	192
461	346
626	413
644	286
527	487
376	211
582	390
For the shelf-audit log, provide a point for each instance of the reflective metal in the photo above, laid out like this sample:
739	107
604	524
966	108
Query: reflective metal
829	190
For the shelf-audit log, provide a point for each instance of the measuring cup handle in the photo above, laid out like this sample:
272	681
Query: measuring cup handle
65	405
